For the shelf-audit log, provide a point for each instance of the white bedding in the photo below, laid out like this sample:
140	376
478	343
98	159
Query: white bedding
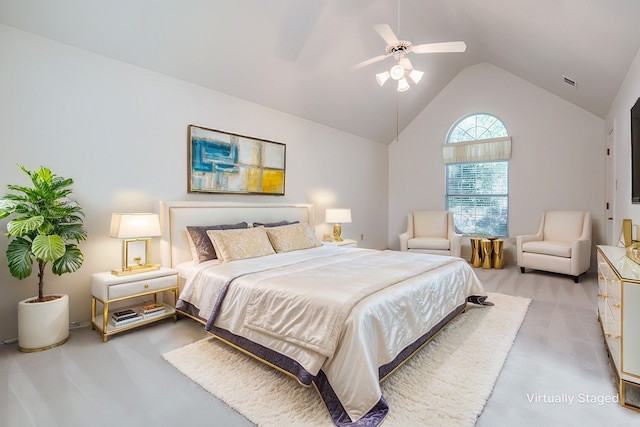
398	299
189	268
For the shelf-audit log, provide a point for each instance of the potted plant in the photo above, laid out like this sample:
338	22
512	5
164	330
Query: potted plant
44	225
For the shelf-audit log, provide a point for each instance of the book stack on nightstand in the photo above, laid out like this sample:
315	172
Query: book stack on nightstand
151	310
124	317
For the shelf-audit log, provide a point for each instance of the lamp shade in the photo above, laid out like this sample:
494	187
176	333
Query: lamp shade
416	75
403	85
382	77
396	72
338	216
134	225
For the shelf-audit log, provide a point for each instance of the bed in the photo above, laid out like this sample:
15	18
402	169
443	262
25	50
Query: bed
339	319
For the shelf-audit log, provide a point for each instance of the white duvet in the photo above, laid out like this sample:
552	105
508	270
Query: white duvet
345	311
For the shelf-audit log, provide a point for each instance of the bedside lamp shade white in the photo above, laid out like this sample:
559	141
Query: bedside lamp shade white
136	229
338	216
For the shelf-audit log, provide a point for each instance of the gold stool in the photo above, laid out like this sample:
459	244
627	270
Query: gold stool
487	249
497	254
476	254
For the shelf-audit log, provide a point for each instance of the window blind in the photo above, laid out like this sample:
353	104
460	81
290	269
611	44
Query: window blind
477	151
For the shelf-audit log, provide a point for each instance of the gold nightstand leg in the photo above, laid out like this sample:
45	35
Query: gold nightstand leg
105	313
93	311
175	302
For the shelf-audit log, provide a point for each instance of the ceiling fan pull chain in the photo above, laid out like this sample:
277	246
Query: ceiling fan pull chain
397	116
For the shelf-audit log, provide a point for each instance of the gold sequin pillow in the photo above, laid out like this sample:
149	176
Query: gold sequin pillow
232	245
292	237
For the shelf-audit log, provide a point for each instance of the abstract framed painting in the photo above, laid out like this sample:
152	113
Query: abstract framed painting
223	162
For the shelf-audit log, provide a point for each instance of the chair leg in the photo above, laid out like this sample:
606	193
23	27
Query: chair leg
576	279
522	270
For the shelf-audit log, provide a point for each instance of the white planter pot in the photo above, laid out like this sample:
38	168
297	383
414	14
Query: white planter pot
43	325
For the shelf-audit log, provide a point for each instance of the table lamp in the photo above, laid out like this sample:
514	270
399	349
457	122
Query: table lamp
136	229
338	216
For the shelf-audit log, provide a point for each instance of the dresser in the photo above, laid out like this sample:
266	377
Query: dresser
619	315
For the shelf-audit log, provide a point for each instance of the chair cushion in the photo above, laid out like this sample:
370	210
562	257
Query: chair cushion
438	243
563	226
430	224
548	247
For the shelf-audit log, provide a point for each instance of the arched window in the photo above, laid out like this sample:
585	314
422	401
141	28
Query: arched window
476	154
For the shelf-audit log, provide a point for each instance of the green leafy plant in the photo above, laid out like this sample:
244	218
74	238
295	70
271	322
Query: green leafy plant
45	224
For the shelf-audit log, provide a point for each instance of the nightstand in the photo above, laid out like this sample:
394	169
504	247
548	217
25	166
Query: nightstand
346	242
107	288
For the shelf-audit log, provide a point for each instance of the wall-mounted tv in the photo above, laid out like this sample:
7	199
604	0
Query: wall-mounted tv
635	153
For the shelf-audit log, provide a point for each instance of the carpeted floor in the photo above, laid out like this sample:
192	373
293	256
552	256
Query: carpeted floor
445	384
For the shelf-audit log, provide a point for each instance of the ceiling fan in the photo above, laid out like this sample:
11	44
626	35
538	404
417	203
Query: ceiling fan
403	71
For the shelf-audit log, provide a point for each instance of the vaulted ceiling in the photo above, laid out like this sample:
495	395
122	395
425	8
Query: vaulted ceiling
295	55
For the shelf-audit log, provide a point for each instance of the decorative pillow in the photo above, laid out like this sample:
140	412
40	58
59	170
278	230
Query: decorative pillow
201	246
274	224
232	245
292	237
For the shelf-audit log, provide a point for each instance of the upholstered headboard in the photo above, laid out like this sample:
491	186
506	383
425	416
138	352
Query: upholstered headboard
176	216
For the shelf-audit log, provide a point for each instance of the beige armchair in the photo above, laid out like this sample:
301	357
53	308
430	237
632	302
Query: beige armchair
562	244
431	232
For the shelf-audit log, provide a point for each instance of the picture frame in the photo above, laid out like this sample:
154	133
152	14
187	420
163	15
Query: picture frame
224	162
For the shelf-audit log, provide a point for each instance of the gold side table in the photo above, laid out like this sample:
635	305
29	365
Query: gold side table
476	251
487	251
498	254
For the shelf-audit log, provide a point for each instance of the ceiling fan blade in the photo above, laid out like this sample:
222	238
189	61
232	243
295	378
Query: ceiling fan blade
406	64
445	47
386	33
369	61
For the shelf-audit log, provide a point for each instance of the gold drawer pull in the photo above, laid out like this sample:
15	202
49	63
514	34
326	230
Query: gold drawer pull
617	337
146	285
616	305
603	295
607	335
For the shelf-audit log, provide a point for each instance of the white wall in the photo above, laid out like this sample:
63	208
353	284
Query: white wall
121	133
557	160
619	118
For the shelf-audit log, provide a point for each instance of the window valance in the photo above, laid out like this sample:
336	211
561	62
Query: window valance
477	151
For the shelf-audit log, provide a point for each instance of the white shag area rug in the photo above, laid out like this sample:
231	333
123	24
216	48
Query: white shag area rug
446	384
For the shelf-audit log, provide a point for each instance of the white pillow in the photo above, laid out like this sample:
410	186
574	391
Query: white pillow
292	237
231	245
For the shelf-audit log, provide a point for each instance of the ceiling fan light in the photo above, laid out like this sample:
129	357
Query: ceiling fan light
403	85
397	72
382	77
416	75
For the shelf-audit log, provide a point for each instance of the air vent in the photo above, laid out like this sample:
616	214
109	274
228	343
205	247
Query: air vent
570	82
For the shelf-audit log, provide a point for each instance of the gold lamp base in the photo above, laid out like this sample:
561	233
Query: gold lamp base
136	257
633	252
135	270
337	231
